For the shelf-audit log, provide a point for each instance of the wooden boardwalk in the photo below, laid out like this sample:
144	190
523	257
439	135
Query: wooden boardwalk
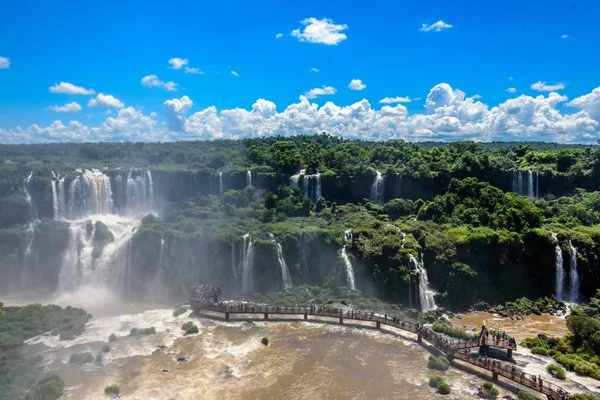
454	349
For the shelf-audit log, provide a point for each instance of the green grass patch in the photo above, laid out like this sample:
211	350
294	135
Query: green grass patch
440	363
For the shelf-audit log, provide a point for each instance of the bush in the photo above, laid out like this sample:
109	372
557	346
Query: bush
67	335
187	325
112	390
112	338
49	388
557	371
439	363
142	331
435	381
443	388
488	385
192	329
179	310
265	341
81	358
539	350
105	348
494	392
523	395
442	327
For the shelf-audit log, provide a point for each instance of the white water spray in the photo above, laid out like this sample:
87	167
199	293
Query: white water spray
573	275
426	295
285	272
249	178
377	189
247	263
349	269
220	184
558	268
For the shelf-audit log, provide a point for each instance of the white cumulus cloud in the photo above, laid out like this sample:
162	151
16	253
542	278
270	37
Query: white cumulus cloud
105	101
234	73
196	71
564	36
4	62
544	87
436	26
279	36
69	88
511	90
153	81
357	84
72	107
312	93
177	63
175	111
313	69
320	31
589	103
399	99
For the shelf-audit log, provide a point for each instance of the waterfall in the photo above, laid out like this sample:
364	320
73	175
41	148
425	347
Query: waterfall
403	239
33	217
247	263
558	268
573	275
249	178
233	267
28	198
285	272
311	184
62	199
530	192
304	250
90	194
347	263
135	194
426	295
111	267
220	184
150	189
54	197
537	184
377	189
398	186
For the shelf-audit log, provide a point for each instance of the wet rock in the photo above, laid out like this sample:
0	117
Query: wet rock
165	370
162	347
225	372
181	359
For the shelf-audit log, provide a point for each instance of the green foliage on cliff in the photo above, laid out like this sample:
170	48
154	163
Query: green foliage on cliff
21	323
49	388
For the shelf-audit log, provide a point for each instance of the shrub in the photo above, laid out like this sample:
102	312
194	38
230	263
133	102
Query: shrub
523	395
539	350
494	392
142	331
67	335
187	325
443	388
438	363
265	341
557	371
112	338
179	310
442	327
192	329
112	390
49	388
105	348
488	385
435	381
81	358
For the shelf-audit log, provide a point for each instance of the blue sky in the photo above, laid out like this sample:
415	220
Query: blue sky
477	48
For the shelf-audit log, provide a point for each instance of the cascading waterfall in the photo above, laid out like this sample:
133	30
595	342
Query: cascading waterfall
249	178
526	185
304	250
398	186
135	194
54	196
559	269
90	194
247	263
62	199
33	217
220	184
150	189
403	239
530	192
311	184
233	266
426	295
573	275
347	263
286	278
537	184
377	189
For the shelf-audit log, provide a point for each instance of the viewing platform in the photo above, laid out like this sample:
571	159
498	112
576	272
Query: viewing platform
453	349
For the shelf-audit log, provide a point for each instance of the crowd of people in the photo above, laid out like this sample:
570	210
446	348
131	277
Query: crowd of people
206	293
497	338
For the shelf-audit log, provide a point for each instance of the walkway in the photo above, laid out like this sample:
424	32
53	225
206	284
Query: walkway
452	348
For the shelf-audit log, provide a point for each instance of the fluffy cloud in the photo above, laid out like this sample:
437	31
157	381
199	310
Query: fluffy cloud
105	101
69	88
320	31
196	71
153	81
175	111
279	36
4	62
543	87
564	36
313	69
451	115
312	93
72	107
511	90
357	84
234	73
177	63
436	27
392	100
